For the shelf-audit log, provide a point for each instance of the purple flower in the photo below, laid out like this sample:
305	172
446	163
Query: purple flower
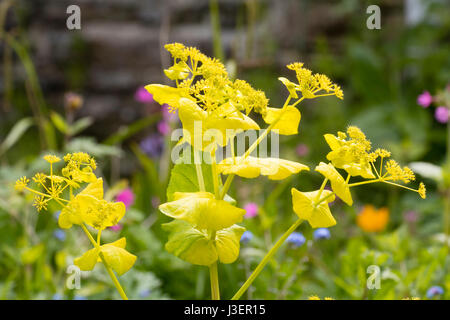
425	99
163	127
59	234
116	227
155	202
302	150
410	216
322	233
296	239
77	297
246	237
152	145
434	291
126	196
251	209
56	214
142	95
441	114
170	117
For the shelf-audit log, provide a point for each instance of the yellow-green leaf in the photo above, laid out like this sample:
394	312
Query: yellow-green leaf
288	123
306	207
338	184
228	243
202	210
189	243
251	167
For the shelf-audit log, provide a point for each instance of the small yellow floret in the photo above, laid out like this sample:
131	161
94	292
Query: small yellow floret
51	158
422	190
21	183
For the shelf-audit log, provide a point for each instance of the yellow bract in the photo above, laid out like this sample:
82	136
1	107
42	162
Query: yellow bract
89	207
306	207
251	167
119	259
288	123
338	184
202	210
167	95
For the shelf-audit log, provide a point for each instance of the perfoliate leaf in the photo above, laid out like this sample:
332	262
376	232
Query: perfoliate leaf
338	184
196	247
251	167
288	123
119	259
115	255
88	260
202	210
165	94
228	243
190	244
306	207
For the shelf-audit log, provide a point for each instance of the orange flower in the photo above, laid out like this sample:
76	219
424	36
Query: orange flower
371	219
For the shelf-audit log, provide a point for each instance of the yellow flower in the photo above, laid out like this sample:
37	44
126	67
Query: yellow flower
79	167
119	259
51	158
89	207
308	206
314	297
422	190
351	154
21	183
371	219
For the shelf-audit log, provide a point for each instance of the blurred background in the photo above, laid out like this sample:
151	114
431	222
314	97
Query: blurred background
81	90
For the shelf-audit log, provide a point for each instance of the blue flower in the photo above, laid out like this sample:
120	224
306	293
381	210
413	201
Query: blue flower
144	293
434	291
56	214
296	239
246	237
322	233
77	297
60	234
152	145
57	296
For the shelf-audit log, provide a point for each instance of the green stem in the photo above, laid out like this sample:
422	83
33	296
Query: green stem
108	268
215	22
214	276
265	260
198	169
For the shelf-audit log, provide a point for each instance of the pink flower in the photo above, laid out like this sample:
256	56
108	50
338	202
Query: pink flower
251	209
163	127
441	114
116	227
302	150
425	99
142	95
126	196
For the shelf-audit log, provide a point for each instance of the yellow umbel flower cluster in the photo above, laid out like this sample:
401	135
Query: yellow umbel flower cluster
86	207
206	81
311	85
